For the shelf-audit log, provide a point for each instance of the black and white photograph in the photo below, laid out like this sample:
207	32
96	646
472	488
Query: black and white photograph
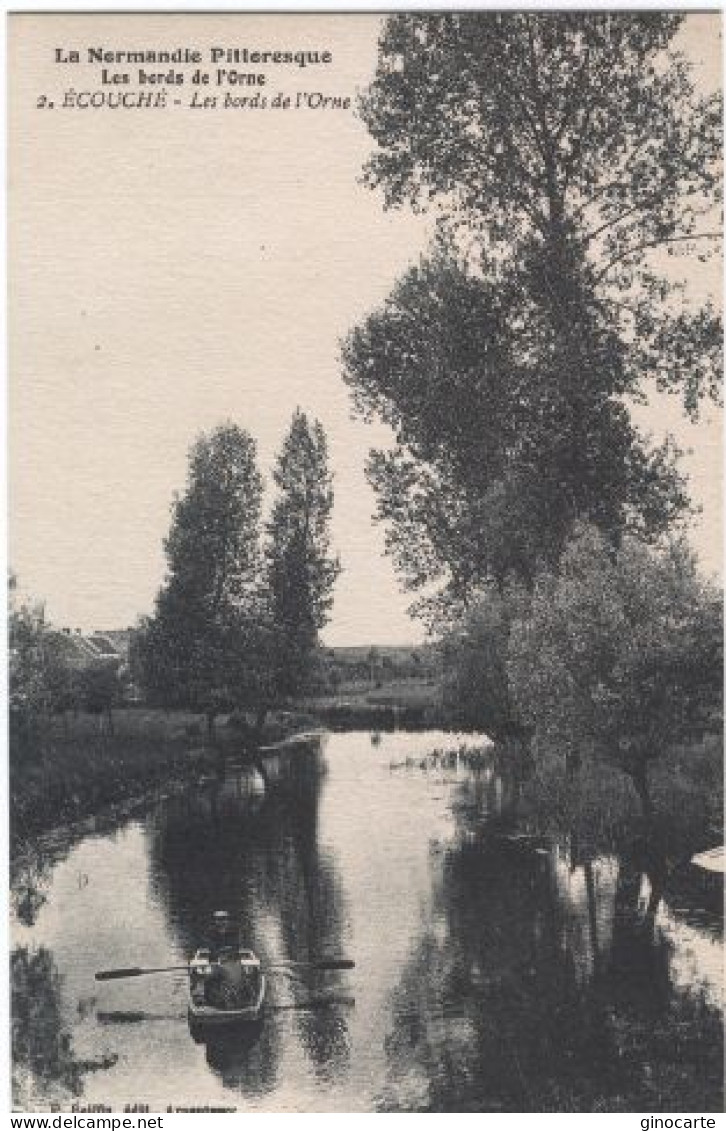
365	562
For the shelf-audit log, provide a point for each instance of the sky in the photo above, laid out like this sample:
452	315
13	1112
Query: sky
170	270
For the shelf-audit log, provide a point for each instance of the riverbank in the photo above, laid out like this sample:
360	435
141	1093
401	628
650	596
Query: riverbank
410	704
601	811
540	987
78	770
598	811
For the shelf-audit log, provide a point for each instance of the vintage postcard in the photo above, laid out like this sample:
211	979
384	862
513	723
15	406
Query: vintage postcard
365	592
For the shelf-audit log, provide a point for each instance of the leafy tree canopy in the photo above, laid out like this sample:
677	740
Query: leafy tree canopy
40	680
565	153
619	653
476	688
301	570
505	435
199	646
581	132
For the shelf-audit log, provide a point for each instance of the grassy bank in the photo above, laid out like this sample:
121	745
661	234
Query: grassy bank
75	769
598	810
601	809
382	705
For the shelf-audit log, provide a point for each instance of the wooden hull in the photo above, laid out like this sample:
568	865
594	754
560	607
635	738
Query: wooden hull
203	1015
208	1015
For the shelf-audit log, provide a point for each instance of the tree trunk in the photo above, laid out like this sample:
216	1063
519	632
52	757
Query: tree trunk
592	914
640	781
657	877
573	765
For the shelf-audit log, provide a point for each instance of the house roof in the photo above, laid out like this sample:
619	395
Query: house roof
99	647
78	649
103	643
118	638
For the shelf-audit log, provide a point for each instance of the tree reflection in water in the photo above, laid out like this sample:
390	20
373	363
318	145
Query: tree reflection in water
30	873
246	1058
41	1046
521	979
27	898
43	1060
264	864
532	993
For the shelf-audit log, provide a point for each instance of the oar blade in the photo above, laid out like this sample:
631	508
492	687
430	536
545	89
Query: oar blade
108	975
320	964
134	972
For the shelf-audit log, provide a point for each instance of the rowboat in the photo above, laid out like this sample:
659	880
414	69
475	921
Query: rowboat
225	989
227	985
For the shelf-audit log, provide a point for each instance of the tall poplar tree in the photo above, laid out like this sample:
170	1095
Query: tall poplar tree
566	153
200	646
301	570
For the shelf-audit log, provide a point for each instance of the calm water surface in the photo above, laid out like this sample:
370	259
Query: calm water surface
487	977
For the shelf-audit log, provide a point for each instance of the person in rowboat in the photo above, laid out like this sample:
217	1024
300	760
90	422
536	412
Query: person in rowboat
222	937
228	984
225	986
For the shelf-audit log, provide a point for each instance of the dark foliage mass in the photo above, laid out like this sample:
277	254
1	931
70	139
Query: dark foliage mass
41	1043
561	127
566	153
237	623
300	569
617	656
199	647
508	428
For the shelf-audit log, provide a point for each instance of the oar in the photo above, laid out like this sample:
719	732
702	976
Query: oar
139	971
322	964
133	1017
135	972
313	1003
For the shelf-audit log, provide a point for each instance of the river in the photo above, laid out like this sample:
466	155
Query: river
489	976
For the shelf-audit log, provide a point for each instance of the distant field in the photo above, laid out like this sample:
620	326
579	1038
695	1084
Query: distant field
395	653
394	693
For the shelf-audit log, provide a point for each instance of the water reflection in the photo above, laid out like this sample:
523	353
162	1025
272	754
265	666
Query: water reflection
30	876
262	862
246	1060
543	983
492	972
41	1045
43	1058
27	899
